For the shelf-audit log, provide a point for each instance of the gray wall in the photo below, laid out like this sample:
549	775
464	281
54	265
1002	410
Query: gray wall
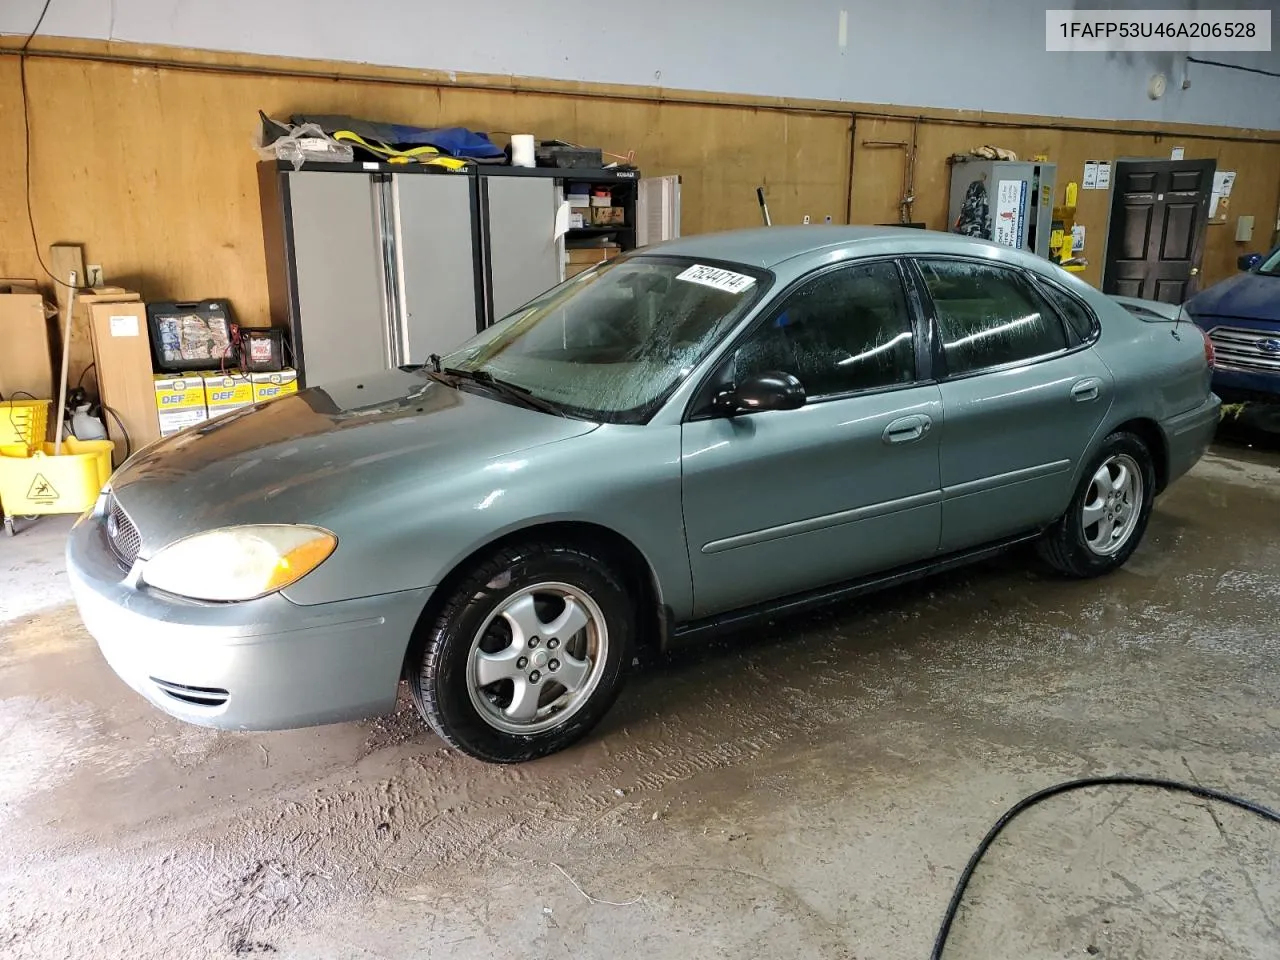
965	54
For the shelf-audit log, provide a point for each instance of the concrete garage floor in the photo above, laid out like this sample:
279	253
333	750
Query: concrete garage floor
811	790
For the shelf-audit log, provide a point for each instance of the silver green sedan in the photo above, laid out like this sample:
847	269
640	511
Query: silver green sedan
677	442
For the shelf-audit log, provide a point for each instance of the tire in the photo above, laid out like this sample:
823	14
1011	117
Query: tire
1077	549
482	631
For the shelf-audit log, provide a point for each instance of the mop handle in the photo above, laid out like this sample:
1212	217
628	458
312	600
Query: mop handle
66	364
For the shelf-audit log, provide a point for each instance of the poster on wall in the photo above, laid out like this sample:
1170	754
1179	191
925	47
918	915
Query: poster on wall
1090	175
1104	176
1219	199
1011	212
1077	238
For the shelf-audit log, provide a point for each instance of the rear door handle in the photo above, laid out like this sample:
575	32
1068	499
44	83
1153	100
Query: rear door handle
1085	390
906	429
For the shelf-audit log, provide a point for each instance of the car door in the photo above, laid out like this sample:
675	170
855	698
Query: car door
1023	394
777	502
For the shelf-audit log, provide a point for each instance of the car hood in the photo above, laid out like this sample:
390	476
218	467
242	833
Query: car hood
299	459
1247	295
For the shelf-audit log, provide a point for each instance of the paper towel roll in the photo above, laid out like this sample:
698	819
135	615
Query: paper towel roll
522	147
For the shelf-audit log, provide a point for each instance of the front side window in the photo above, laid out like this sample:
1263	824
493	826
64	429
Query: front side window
611	344
988	315
1271	265
846	330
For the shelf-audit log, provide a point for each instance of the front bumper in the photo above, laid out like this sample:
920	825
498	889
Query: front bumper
266	664
1245	384
1189	434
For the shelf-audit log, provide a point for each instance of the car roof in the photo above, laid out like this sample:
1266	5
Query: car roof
766	247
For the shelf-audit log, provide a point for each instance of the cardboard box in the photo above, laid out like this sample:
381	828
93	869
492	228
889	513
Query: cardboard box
577	221
268	386
592	254
224	392
579	200
28	341
608	216
117	322
179	400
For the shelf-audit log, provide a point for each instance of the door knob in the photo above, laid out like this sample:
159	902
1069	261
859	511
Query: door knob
1195	271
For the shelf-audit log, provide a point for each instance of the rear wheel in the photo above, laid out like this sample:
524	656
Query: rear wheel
526	654
1109	512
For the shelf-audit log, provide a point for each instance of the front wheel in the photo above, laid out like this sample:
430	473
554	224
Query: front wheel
1108	514
526	654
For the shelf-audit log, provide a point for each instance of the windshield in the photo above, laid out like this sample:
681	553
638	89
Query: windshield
1271	265
612	344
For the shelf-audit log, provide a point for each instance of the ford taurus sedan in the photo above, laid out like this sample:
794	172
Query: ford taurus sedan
684	439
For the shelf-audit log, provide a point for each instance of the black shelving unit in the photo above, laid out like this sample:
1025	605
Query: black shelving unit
623	186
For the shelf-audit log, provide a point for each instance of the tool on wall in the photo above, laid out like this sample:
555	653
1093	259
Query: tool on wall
764	207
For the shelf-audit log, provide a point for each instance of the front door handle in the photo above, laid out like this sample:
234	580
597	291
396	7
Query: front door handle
1086	390
906	429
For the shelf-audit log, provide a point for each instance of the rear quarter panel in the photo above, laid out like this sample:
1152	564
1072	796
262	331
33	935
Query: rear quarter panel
1159	367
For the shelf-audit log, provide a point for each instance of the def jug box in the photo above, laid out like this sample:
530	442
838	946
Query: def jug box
268	386
180	401
224	392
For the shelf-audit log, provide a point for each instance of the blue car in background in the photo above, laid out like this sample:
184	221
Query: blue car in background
1241	315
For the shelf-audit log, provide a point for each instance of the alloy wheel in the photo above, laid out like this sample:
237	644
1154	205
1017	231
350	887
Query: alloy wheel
537	658
1112	504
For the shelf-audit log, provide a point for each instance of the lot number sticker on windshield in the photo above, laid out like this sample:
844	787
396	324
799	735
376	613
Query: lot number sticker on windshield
715	277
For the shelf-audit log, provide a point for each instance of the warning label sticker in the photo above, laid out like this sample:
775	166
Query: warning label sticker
42	490
725	280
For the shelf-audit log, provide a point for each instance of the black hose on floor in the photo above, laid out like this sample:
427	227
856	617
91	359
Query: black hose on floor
940	943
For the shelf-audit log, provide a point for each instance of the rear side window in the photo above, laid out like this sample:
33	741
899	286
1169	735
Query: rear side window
989	316
1075	313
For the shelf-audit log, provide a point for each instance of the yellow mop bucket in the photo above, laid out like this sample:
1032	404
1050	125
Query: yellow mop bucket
40	481
23	421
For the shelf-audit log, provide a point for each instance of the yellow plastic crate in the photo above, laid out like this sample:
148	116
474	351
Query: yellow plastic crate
24	421
41	482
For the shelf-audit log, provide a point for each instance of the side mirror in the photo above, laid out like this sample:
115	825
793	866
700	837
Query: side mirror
771	390
1250	261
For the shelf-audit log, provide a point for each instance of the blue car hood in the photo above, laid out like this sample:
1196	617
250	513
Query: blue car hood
299	459
1248	295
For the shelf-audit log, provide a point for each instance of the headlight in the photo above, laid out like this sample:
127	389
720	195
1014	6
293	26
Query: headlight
239	563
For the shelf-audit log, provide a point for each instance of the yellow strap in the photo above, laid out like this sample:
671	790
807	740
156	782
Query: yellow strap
381	148
451	163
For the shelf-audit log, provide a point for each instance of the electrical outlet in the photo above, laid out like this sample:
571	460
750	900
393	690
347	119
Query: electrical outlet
93	273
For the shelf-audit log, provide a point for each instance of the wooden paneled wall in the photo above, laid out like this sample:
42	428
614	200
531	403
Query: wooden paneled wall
153	168
878	177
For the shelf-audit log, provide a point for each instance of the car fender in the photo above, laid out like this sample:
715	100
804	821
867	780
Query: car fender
623	478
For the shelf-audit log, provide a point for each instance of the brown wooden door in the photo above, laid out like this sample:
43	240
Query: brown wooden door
1156	233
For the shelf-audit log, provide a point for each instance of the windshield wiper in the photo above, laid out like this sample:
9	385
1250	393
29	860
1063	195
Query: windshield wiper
509	390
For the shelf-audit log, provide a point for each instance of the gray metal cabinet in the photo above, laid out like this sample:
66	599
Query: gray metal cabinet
372	266
434	263
339	277
1009	202
524	253
370	269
